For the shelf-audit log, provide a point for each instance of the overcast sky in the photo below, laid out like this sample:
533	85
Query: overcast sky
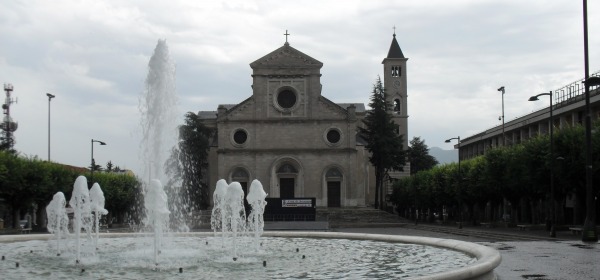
93	55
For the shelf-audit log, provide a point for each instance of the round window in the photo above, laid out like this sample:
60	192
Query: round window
333	136
286	99
240	137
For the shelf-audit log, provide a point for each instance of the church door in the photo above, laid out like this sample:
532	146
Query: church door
333	194
286	187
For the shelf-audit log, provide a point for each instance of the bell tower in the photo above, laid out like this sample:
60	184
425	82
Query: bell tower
394	82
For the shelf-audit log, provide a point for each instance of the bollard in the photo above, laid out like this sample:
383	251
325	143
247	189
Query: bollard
181	270
264	263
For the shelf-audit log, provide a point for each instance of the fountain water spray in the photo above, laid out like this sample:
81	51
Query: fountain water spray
218	218
97	206
58	221
157	213
236	213
80	202
256	199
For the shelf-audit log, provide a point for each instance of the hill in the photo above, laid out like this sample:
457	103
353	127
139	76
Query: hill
444	156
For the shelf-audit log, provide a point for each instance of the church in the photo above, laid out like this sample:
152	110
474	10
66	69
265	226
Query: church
296	141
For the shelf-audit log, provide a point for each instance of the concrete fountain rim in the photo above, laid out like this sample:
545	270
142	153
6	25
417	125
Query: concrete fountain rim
487	258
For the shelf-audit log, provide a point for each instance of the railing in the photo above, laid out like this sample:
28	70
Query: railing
568	94
572	92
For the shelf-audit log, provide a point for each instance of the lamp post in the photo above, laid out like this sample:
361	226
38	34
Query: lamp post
94	162
552	159
50	96
459	183
502	90
589	233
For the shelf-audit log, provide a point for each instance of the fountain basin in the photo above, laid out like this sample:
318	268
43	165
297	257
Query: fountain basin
479	263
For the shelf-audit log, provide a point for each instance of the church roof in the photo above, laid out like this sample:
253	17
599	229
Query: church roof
395	51
286	57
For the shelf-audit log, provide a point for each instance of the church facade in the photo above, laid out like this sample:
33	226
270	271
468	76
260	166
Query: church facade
293	139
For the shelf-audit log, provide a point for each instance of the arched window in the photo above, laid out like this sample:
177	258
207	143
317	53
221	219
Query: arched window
333	173
397	106
287	168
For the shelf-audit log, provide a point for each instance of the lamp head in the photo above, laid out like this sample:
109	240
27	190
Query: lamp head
533	98
101	143
50	96
447	141
592	81
501	88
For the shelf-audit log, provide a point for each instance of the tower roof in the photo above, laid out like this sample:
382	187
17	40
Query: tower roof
395	51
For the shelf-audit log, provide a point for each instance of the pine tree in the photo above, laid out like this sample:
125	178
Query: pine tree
383	142
188	162
419	157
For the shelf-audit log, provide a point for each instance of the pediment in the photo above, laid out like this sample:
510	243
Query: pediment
329	108
243	110
286	57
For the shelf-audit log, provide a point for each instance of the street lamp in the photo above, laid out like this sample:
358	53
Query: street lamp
589	233
552	159
459	183
50	96
502	90
94	162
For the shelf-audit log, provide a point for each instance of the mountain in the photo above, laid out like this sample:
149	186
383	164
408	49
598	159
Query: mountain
444	156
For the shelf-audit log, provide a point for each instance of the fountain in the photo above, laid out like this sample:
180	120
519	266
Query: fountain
80	202
157	213
97	201
256	199
290	255
58	221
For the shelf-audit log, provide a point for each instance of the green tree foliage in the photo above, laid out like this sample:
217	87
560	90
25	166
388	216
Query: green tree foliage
384	144
419	157
188	162
120	193
109	166
519	173
25	182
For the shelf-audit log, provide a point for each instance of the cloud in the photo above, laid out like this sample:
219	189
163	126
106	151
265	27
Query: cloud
94	56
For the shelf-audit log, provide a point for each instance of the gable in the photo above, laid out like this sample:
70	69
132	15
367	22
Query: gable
244	110
286	57
328	109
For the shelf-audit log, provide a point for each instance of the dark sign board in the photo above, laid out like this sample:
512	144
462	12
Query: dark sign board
290	209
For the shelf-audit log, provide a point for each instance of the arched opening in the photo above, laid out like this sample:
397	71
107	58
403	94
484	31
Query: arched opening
397	106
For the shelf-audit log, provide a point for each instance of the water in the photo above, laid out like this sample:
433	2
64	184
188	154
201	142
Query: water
82	218
158	109
286	258
157	214
97	201
58	221
256	198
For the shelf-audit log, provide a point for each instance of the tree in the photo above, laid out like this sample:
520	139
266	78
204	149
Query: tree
188	162
419	157
384	144
109	166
